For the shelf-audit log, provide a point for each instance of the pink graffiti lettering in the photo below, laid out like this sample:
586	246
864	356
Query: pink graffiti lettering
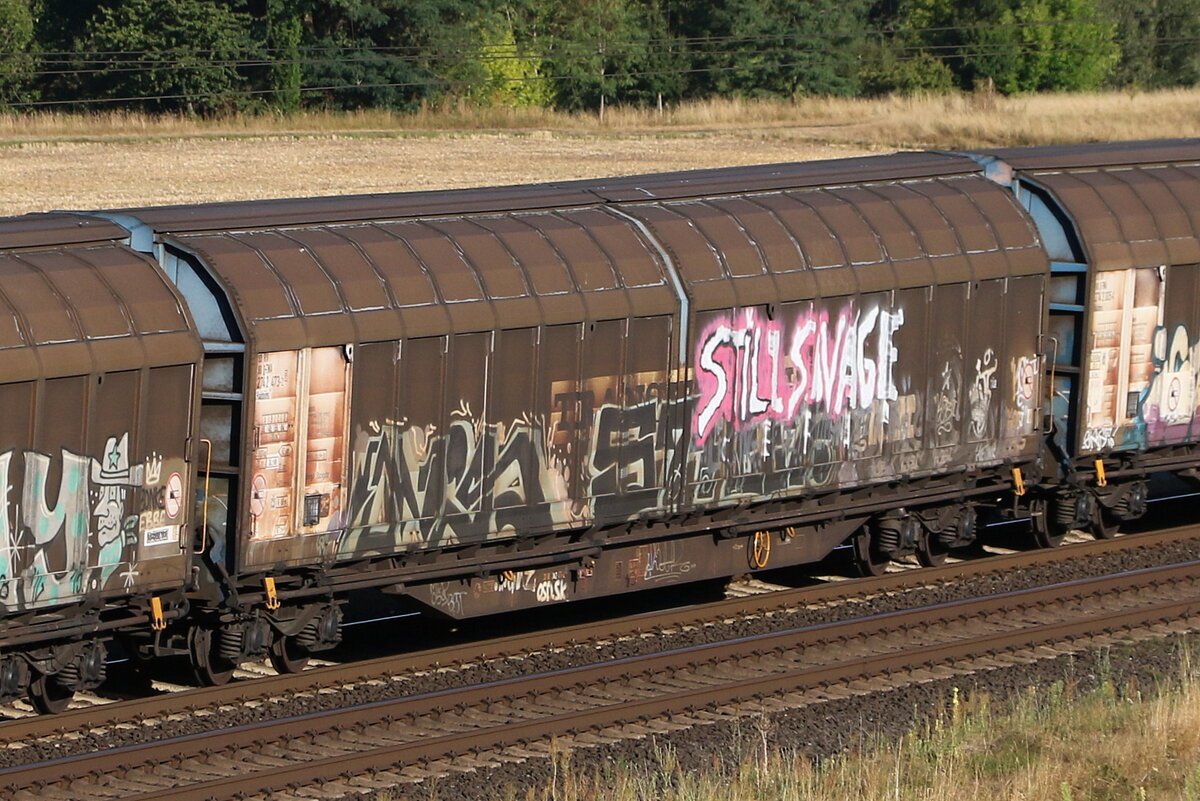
833	362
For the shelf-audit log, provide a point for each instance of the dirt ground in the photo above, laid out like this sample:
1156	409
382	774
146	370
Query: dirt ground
90	175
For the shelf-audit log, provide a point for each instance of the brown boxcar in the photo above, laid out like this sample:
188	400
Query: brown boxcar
97	363
1121	223
491	399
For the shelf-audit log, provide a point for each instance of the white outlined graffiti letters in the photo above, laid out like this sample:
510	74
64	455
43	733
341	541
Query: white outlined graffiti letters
751	368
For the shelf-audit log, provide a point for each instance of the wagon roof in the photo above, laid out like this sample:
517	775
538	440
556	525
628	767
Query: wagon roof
74	300
254	214
377	267
1097	154
56	228
1135	204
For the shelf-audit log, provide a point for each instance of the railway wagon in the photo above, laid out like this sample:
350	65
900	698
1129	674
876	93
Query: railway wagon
98	370
493	399
1121	225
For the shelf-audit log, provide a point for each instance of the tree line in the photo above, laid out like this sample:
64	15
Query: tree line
220	56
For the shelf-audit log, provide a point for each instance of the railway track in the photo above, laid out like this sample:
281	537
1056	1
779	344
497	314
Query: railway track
345	749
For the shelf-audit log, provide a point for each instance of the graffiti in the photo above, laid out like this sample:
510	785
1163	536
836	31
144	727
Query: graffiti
546	587
1168	406
552	590
946	412
980	395
433	486
837	364
809	395
57	546
658	562
1099	438
514	581
1025	381
446	599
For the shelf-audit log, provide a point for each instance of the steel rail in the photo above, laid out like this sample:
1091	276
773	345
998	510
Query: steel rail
439	746
261	688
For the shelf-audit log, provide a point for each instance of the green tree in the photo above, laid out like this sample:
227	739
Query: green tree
16	44
167	54
593	48
391	53
1043	45
284	32
779	47
896	62
1160	42
1018	45
510	75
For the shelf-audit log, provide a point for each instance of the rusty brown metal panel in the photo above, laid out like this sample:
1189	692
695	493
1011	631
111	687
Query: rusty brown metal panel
395	262
591	264
544	267
517	312
361	288
142	288
651	300
740	260
933	231
498	273
751	291
279	333
840	281
242	215
696	183
1101	154
1183	183
44	314
1133	217
737	252
56	229
1137	222
455	279
776	246
692	253
1101	232
894	233
774	177
11	335
796	284
816	241
256	290
93	306
311	290
972	233
1172	219
860	244
636	264
1014	230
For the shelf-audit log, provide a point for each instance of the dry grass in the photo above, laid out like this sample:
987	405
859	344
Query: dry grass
116	159
1098	747
960	120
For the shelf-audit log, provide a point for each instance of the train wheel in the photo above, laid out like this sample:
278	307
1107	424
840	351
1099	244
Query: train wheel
930	550
49	695
1104	525
208	666
1046	534
287	655
867	558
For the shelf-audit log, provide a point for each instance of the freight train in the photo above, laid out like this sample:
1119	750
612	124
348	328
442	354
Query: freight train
219	420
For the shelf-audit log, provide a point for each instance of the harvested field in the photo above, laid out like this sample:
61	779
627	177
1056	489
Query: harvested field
82	175
55	161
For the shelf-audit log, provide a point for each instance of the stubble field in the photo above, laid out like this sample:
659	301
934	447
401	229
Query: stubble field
114	160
